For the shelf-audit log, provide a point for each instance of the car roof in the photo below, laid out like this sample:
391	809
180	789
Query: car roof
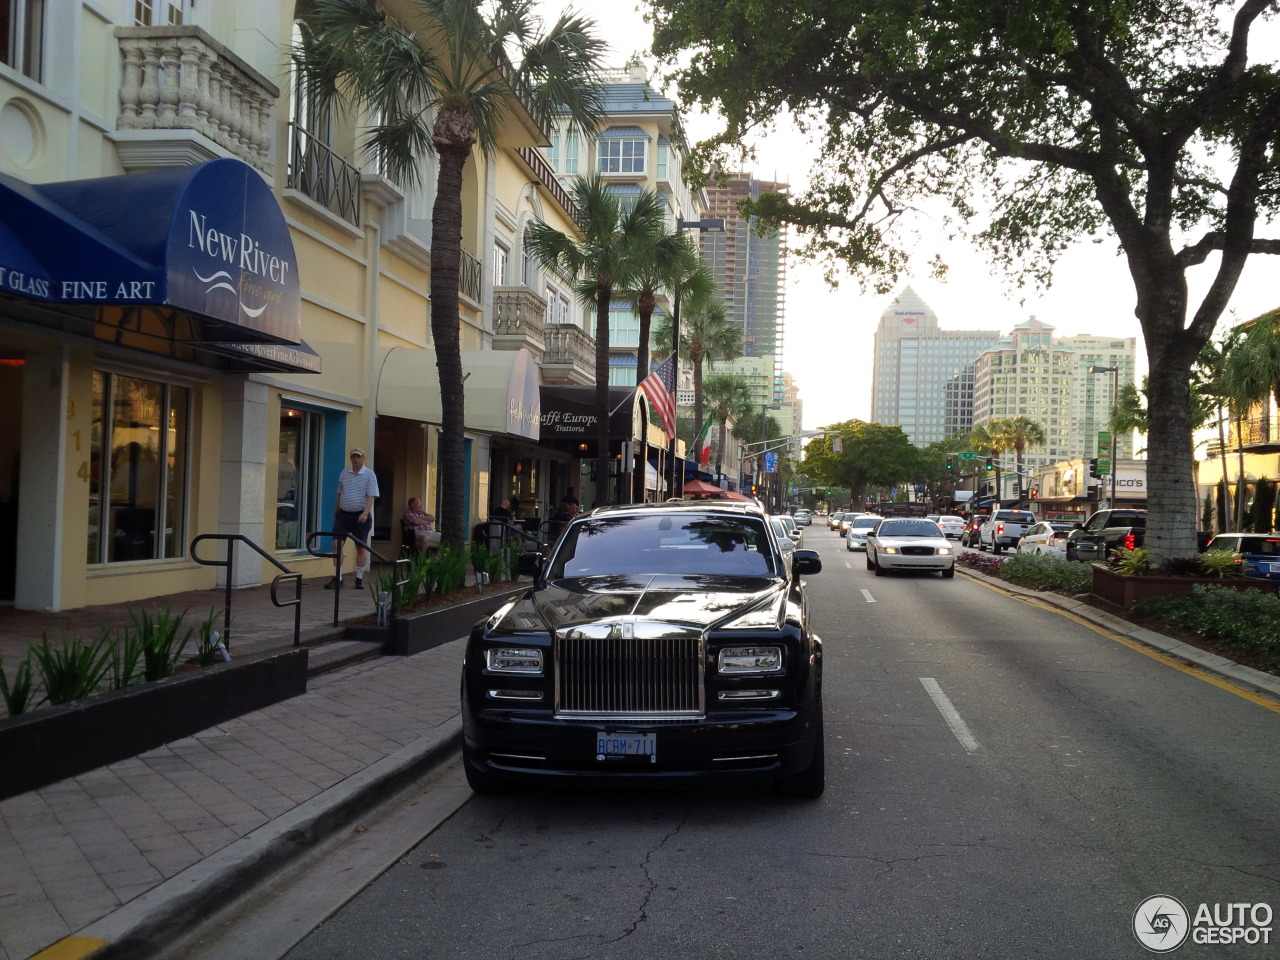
721	506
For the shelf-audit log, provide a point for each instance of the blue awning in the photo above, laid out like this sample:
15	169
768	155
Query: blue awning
208	241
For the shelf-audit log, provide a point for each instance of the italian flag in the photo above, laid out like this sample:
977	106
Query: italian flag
703	446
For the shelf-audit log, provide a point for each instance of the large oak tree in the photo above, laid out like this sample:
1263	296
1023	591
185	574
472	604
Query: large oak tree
1041	122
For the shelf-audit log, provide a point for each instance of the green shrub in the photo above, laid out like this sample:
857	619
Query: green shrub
1221	564
17	693
1245	619
161	645
208	640
1044	572
1132	562
451	568
73	670
126	654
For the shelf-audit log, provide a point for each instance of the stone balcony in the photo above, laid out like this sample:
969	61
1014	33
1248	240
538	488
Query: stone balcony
569	355
185	98
518	315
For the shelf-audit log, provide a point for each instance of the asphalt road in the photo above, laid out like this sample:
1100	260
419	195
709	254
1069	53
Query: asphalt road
1003	782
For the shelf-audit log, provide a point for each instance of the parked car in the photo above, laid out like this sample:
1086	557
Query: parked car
1107	530
1004	529
1046	537
863	524
793	528
783	536
909	543
659	643
1259	552
970	536
950	526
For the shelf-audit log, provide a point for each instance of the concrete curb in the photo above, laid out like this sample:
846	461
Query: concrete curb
155	918
1254	681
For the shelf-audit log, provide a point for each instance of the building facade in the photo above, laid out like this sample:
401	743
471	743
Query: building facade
209	295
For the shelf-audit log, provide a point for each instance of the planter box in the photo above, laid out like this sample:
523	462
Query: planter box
1123	589
54	743
416	632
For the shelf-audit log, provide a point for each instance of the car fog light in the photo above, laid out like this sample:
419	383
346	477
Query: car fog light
514	660
749	694
735	660
515	694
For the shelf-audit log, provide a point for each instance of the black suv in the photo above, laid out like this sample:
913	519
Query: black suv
660	643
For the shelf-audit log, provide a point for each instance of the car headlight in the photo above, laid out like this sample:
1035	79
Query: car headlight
944	551
526	660
888	549
754	659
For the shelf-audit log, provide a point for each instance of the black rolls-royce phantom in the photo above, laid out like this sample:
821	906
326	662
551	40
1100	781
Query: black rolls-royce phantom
660	643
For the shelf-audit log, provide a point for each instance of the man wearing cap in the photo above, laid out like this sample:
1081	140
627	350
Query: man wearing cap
353	515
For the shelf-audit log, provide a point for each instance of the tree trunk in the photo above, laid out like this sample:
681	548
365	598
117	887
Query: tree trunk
1172	500
604	491
446	252
644	308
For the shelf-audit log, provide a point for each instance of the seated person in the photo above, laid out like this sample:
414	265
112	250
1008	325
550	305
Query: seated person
501	512
421	524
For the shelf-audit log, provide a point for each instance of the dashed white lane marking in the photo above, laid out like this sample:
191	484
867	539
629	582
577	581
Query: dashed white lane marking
951	715
866	595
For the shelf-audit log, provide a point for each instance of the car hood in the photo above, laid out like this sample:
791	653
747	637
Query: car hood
700	602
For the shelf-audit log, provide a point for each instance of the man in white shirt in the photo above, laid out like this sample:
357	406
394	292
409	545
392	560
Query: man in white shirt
353	515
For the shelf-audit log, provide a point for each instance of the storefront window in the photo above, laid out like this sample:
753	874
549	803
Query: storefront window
138	451
297	476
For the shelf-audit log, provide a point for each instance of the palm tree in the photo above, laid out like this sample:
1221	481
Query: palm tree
615	238
671	259
444	82
1021	431
729	399
988	438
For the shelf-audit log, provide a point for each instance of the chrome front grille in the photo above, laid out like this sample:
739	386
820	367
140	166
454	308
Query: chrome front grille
613	674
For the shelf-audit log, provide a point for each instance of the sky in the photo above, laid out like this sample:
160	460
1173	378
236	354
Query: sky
830	334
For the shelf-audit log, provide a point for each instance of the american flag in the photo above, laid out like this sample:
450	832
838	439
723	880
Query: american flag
660	387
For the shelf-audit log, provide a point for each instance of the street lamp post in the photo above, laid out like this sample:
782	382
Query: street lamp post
705	225
1115	399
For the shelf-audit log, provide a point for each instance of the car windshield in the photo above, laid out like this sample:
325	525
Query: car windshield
908	528
657	543
864	523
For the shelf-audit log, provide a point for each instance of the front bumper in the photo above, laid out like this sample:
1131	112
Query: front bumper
534	747
893	561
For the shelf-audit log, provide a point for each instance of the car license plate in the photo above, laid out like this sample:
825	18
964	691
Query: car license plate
1275	567
614	745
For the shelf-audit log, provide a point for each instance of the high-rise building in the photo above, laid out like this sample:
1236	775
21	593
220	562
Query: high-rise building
1034	374
922	376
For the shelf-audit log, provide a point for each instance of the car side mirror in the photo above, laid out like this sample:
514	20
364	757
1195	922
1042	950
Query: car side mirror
804	562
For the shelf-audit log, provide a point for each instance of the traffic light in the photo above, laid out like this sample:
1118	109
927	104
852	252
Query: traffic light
991	465
950	464
1035	493
1093	469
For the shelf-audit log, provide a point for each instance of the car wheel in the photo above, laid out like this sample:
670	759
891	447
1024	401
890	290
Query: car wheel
982	547
849	546
870	565
948	573
995	547
484	783
1071	552
879	570
809	783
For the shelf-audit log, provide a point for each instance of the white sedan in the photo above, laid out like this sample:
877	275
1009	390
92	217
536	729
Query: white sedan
859	527
951	527
903	543
1046	537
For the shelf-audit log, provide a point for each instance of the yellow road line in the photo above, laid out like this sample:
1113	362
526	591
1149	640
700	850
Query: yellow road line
1145	650
71	948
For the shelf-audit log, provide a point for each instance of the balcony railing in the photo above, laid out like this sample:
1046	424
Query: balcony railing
470	276
180	78
569	355
318	172
518	315
1254	432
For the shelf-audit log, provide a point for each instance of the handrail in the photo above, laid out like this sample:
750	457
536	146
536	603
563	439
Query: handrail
229	563
401	564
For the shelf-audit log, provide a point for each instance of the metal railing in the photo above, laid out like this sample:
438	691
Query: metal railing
229	563
318	172
470	276
398	582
